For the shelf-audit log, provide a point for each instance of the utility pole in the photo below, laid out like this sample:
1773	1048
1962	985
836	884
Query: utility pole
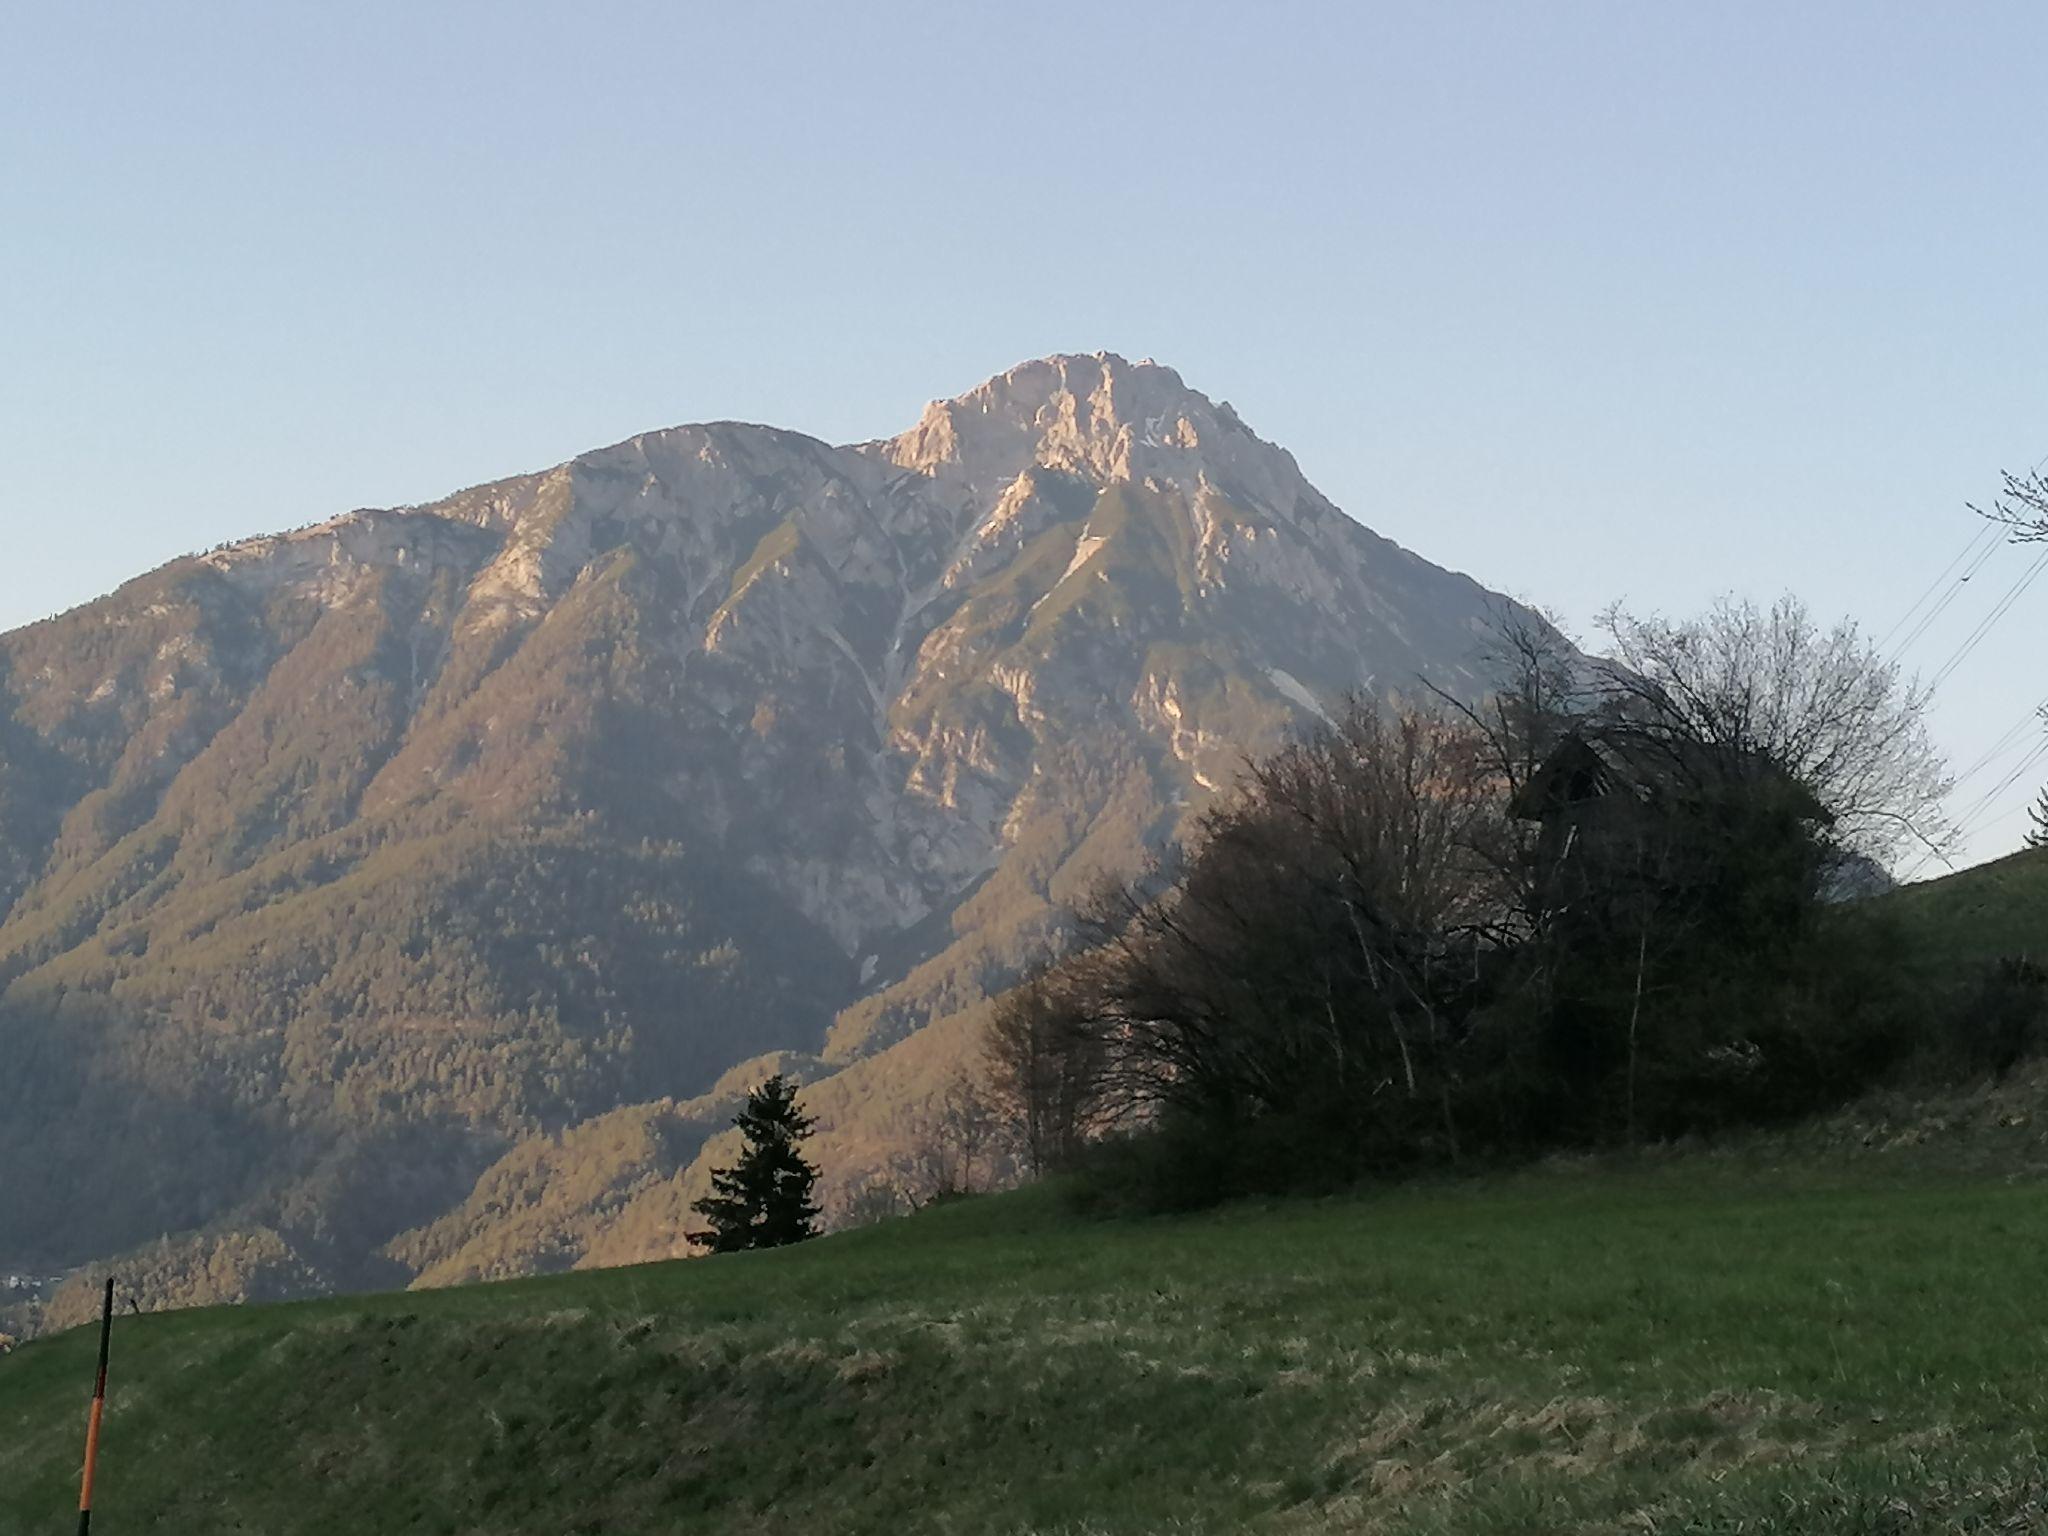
99	1406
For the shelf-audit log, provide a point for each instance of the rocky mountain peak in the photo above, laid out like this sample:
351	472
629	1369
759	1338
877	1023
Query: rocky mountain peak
1097	416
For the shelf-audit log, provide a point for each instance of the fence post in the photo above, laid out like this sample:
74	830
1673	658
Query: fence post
99	1407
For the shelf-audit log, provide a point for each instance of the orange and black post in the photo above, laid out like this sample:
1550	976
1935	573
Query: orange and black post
99	1407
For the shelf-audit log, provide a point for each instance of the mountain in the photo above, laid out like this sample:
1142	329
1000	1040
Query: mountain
407	895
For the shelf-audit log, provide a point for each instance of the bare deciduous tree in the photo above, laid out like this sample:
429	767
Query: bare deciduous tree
1746	689
1315	942
956	1143
1404	820
1046	1071
876	1197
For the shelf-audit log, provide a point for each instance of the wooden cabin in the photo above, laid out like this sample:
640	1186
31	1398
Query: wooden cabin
1625	811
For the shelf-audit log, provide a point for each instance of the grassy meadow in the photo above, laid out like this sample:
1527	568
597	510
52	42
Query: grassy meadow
1689	1346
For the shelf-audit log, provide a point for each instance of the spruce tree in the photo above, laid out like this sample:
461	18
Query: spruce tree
764	1199
2037	834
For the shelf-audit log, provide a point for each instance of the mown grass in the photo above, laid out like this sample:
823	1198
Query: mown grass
1688	1346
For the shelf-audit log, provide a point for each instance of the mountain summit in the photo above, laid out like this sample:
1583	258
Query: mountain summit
361	881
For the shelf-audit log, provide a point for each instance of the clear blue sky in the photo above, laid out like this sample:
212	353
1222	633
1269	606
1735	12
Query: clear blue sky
1592	301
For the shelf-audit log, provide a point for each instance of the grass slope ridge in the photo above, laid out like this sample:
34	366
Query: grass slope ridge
1695	1346
1993	911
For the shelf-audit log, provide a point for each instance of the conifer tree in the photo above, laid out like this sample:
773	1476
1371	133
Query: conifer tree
2037	834
764	1199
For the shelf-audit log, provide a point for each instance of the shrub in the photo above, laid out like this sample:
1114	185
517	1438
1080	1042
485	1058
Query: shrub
1999	1022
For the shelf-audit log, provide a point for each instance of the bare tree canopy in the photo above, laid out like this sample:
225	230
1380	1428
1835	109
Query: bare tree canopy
1822	706
1046	1070
1314	946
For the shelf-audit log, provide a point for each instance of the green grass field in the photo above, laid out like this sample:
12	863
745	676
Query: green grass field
1685	1347
1842	1329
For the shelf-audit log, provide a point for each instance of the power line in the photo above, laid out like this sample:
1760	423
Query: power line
1955	591
1992	537
1968	821
1990	620
2012	738
1988	531
2006	815
1990	796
